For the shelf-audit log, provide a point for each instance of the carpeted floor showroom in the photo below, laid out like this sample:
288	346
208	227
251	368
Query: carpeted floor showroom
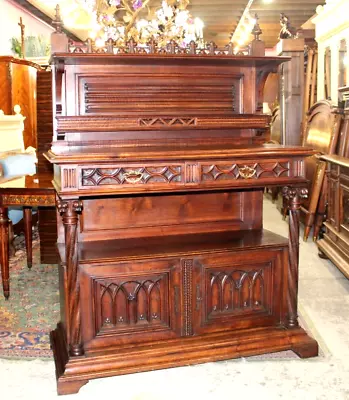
324	309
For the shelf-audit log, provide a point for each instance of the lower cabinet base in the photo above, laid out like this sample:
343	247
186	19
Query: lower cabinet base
74	372
328	248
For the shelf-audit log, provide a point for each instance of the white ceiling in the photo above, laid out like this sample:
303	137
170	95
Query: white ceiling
220	16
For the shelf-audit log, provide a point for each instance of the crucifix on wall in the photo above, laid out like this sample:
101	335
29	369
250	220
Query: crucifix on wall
22	37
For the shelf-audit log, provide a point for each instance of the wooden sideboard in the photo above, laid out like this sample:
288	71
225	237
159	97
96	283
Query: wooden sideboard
159	169
335	243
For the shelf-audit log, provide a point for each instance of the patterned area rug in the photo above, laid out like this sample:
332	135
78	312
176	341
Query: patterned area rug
33	308
32	311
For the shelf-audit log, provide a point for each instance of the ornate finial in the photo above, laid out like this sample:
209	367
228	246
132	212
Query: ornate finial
152	45
110	46
256	31
212	47
192	47
172	46
131	44
17	109
57	22
286	32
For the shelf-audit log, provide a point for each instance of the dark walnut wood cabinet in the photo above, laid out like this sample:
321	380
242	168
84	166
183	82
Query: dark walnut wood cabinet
159	169
335	243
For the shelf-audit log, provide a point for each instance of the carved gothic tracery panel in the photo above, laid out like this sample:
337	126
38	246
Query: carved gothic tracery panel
219	172
236	291
131	175
131	303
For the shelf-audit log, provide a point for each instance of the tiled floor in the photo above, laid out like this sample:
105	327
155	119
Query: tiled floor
324	304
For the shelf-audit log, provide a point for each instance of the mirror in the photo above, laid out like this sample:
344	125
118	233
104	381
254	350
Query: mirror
327	73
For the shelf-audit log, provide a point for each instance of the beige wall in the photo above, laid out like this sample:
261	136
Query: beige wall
10	14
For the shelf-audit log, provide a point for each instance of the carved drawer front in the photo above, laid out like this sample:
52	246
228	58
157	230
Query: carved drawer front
218	173
238	290
159	175
129	302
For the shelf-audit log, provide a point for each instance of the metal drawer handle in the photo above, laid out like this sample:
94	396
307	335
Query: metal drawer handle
247	172
133	176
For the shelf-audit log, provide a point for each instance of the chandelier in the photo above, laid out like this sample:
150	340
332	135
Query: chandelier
143	20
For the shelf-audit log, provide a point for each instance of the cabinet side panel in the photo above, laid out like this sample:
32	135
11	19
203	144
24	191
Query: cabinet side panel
143	216
5	88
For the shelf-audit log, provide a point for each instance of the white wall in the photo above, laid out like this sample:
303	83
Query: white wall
10	14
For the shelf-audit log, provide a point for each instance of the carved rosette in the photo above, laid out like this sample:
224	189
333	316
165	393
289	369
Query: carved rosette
294	198
69	210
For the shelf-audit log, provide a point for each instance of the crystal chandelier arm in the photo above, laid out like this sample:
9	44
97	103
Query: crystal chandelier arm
126	6
135	15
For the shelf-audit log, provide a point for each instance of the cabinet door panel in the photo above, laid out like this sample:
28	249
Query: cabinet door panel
129	302
344	200
236	291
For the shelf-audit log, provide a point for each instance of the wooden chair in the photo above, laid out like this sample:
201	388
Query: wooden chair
321	132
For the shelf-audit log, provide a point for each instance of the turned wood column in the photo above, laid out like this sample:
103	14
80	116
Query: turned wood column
4	248
69	210
28	233
293	197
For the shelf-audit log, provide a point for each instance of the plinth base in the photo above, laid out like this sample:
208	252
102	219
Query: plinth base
74	372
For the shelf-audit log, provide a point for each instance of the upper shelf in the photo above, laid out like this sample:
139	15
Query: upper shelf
164	58
98	154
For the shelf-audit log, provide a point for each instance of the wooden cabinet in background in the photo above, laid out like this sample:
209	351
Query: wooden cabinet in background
335	244
18	86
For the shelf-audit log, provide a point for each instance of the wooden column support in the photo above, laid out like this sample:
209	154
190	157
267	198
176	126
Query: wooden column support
294	197
69	210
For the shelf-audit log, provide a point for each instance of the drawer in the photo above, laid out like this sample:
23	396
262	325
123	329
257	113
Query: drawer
132	175
221	173
179	175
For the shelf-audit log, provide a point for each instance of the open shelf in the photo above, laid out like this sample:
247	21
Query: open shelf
168	246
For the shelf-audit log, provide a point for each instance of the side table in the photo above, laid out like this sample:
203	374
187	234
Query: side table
27	192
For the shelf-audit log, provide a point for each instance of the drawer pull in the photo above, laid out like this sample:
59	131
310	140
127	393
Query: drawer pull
133	176
247	172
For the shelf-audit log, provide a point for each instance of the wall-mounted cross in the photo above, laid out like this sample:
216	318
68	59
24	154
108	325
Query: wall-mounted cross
22	37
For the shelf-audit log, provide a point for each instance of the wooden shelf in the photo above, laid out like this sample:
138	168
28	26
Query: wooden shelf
105	251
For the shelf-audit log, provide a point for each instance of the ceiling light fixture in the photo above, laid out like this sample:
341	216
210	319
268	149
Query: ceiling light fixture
143	20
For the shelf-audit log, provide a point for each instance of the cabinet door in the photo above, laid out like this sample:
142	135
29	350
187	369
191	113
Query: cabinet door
240	290
344	201
129	302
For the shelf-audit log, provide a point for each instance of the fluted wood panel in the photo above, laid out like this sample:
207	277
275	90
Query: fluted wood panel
47	216
44	118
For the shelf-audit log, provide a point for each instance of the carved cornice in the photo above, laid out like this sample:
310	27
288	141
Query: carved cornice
131	47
